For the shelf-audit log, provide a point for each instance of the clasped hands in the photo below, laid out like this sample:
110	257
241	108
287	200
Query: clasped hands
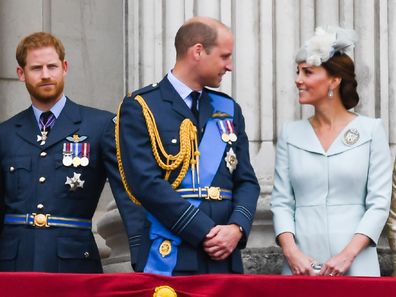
221	241
300	264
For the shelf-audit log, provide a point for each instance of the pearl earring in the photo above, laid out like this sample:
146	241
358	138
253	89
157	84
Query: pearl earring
330	93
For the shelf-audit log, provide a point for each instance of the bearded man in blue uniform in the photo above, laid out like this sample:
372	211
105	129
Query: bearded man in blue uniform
184	157
55	157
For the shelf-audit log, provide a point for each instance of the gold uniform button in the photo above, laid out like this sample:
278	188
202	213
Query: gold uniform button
42	179
12	169
43	154
86	254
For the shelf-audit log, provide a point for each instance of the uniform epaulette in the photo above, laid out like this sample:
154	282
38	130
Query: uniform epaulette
145	90
219	93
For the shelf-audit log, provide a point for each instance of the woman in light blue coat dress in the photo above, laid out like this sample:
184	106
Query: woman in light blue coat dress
333	171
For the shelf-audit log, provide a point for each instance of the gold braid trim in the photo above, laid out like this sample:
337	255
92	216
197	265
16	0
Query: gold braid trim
119	161
187	155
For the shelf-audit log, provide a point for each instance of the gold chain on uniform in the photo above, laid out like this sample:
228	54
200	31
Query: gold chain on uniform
187	155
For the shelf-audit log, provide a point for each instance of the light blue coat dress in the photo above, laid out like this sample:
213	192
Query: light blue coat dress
325	197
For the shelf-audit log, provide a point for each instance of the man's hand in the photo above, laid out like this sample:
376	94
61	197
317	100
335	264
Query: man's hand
221	241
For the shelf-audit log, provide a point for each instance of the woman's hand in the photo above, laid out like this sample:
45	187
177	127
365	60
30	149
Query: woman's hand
340	263
337	265
299	263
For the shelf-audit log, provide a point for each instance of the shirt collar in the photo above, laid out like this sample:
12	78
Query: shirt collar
56	109
183	90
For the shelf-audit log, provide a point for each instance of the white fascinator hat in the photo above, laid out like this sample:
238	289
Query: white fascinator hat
325	43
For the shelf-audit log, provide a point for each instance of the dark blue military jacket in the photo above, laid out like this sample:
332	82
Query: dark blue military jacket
32	180
147	183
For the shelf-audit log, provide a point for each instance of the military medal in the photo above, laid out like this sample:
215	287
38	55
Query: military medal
165	248
76	153
76	161
351	136
45	126
43	137
67	160
84	161
231	160
233	137
67	154
75	181
76	158
85	154
231	130
225	137
223	131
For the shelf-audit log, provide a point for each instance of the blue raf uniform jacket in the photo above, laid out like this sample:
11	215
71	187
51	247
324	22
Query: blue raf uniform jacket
32	180
146	181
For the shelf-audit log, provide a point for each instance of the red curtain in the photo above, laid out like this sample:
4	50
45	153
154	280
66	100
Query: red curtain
142	285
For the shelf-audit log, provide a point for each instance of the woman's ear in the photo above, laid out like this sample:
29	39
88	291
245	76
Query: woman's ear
335	82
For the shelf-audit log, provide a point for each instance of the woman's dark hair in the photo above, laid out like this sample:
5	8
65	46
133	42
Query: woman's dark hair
341	65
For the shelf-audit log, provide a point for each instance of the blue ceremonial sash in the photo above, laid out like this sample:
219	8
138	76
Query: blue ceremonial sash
211	150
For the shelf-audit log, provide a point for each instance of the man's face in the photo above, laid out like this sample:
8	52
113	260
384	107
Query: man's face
43	75
218	61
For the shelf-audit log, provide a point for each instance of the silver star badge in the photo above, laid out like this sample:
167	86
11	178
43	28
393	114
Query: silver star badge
75	181
231	160
42	138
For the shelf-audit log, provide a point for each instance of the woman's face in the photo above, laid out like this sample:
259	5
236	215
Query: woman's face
313	84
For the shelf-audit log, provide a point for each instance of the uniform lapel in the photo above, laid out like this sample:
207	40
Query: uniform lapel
27	127
66	124
169	94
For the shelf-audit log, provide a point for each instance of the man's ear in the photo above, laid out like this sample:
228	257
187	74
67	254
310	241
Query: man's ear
65	65
20	73
197	50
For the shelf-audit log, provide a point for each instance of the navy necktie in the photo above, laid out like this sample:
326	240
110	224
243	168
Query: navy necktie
195	95
47	121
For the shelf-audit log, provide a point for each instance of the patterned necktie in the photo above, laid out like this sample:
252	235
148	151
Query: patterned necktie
195	95
47	121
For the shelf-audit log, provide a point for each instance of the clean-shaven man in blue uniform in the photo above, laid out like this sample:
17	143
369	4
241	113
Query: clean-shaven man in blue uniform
184	158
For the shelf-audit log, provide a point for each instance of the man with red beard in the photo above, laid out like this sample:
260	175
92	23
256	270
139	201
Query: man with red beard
55	157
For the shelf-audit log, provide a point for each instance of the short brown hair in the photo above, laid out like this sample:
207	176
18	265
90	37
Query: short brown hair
192	33
341	65
38	40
